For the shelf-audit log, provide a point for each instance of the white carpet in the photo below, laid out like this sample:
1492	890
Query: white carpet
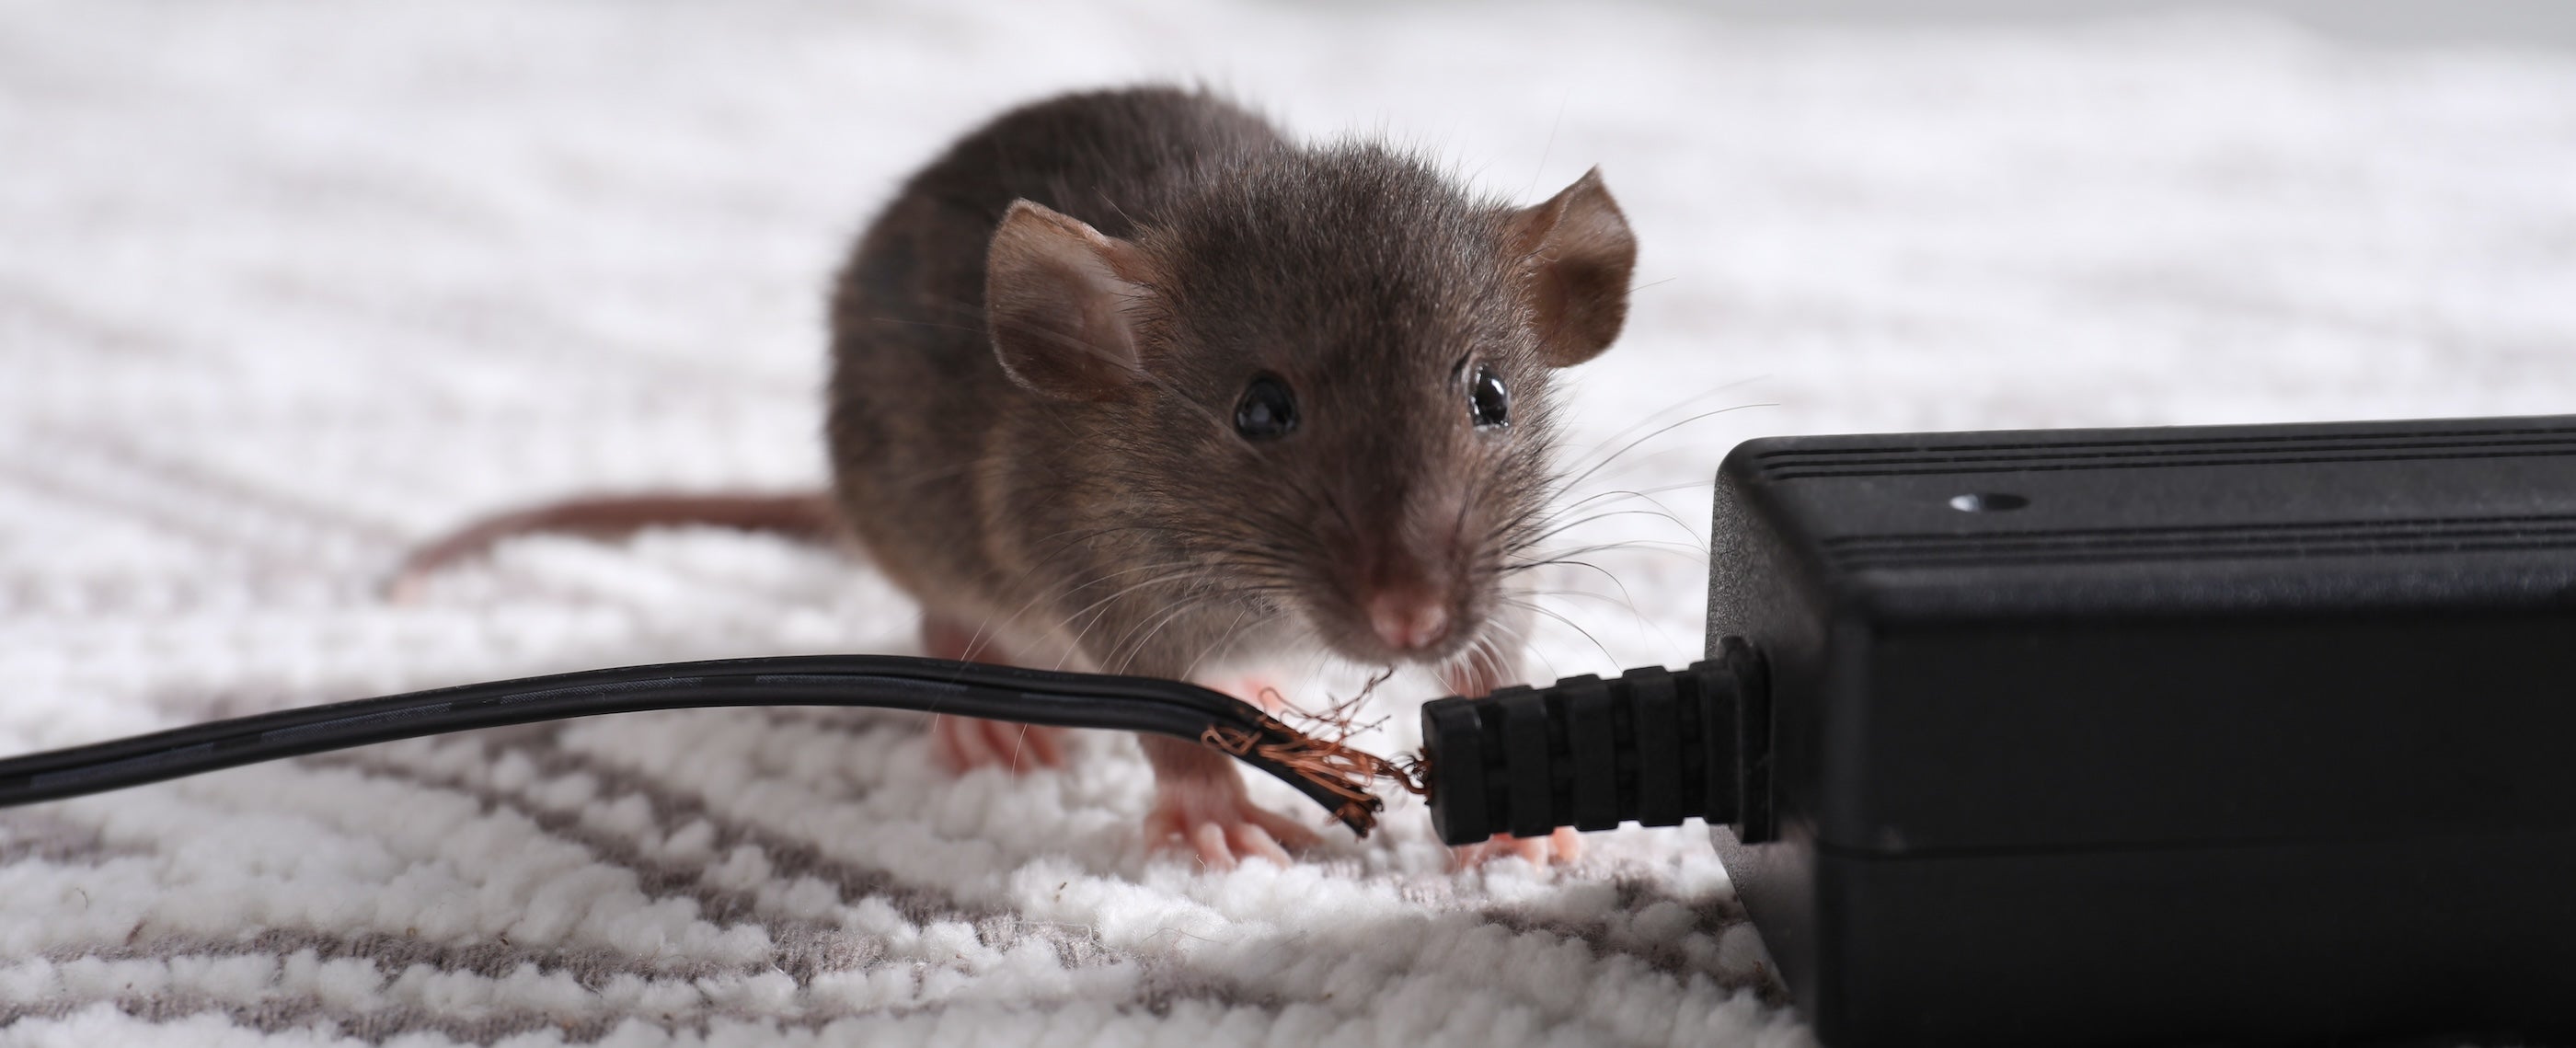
286	288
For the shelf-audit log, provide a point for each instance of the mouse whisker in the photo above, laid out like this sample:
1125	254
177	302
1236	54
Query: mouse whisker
1654	462
1660	415
1561	528
1052	547
1563	516
1540	558
1571	483
1234	630
1623	601
1277	550
1483	646
1549	523
1126	663
1033	602
1102	605
1521	637
1519	560
1534	607
1681	403
1647	495
1042	561
1112	660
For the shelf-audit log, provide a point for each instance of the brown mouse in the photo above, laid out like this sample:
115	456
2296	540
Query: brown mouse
1127	381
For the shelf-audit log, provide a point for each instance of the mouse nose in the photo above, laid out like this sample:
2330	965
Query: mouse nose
1408	621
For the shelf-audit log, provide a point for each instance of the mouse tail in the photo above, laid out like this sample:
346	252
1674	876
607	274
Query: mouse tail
808	516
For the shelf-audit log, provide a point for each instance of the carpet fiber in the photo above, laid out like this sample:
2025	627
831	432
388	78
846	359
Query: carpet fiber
287	288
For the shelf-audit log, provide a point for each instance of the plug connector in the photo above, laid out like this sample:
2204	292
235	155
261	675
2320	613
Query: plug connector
1650	746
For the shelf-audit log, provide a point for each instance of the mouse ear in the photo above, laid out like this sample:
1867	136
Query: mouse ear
1576	253
1057	296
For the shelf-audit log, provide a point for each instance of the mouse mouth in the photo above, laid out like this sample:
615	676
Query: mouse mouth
1364	648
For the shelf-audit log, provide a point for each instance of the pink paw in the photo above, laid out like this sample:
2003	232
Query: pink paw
1564	845
1213	820
964	744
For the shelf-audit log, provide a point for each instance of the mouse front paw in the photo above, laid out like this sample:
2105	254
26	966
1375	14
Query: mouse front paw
963	744
1563	845
1215	822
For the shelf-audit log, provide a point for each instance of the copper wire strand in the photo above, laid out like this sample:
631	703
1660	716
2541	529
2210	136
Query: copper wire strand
1322	753
1336	723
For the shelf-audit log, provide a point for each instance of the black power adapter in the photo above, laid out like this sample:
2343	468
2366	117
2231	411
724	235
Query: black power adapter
2238	734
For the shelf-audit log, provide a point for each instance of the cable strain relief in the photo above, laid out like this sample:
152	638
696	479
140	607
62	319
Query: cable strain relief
1651	746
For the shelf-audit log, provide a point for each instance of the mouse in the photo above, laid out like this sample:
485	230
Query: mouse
1130	381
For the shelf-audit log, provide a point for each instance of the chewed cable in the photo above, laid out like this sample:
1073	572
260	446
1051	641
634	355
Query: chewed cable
1332	775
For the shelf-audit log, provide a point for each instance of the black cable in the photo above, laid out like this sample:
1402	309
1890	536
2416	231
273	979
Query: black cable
966	689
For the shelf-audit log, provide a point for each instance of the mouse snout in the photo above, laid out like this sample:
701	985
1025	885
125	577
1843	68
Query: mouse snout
1409	620
1399	587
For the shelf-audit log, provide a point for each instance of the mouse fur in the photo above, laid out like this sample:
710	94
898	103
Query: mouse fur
1039	353
1040	348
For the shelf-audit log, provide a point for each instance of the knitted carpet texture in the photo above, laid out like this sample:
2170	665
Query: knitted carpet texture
286	289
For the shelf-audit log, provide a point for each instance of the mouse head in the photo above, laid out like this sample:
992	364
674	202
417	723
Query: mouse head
1325	376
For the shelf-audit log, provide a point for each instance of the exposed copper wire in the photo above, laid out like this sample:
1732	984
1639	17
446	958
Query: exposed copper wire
1323	754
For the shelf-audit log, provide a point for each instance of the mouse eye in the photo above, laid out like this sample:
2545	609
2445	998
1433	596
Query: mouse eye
1487	401
1267	411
